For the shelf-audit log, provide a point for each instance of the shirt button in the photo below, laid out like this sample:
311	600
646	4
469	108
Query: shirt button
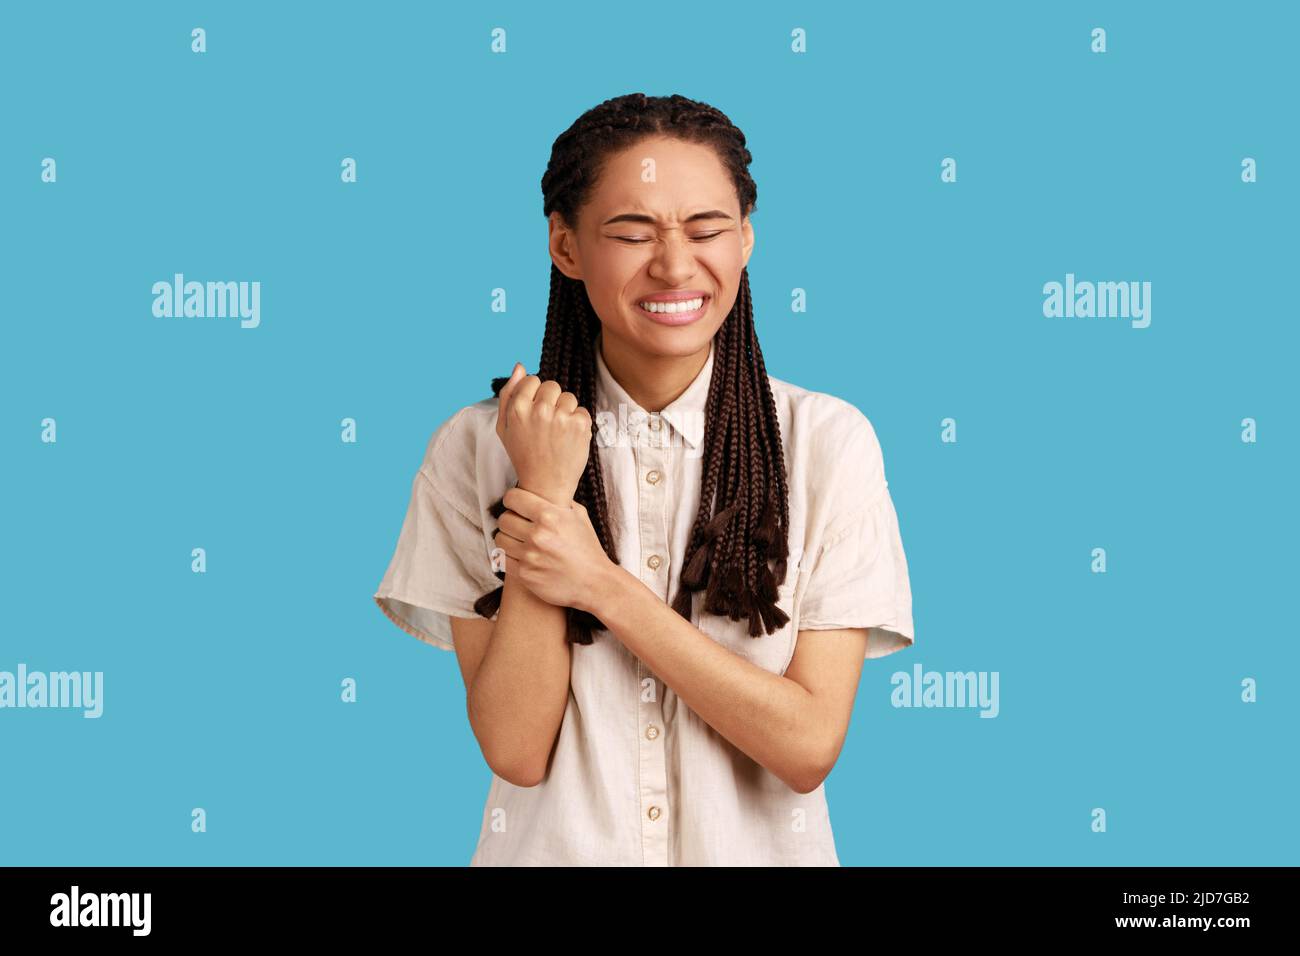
651	732
654	423
652	476
654	561
653	813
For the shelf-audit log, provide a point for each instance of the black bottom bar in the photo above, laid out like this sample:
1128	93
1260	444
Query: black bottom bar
209	904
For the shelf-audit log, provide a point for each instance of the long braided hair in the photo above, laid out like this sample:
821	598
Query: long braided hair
744	515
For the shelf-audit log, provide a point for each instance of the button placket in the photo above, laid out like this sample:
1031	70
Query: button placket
653	541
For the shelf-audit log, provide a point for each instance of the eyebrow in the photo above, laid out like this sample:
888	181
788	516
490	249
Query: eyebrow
641	217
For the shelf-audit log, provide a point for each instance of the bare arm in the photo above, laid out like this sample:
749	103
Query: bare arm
793	725
516	670
516	673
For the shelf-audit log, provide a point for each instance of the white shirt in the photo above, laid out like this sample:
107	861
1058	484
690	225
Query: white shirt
637	778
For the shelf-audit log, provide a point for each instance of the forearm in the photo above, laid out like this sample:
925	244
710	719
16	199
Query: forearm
770	718
521	688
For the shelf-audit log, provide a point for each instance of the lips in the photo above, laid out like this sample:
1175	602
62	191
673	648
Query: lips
676	296
675	318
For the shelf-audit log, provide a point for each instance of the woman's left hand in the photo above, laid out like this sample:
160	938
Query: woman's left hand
553	549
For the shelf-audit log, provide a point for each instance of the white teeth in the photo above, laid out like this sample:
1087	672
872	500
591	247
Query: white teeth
686	305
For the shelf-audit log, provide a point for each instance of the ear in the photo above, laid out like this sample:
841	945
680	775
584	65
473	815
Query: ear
563	244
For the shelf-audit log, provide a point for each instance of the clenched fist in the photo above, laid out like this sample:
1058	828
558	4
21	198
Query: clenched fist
546	433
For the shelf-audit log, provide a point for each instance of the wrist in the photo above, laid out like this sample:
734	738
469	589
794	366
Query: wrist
603	589
553	493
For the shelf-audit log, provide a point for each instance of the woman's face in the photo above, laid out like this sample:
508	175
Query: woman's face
663	217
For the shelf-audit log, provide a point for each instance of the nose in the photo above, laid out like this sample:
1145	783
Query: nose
674	260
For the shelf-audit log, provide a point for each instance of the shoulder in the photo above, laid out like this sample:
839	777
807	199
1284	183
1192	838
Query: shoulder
464	451
826	435
461	430
834	463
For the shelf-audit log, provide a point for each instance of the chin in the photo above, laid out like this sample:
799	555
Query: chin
679	340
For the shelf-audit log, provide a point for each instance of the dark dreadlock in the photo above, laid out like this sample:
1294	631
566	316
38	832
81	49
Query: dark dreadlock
744	515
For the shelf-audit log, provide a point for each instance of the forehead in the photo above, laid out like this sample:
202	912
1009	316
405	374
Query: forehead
663	177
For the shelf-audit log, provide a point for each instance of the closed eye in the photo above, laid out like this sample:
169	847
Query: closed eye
637	242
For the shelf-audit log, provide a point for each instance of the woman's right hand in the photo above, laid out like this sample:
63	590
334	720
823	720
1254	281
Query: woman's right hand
546	433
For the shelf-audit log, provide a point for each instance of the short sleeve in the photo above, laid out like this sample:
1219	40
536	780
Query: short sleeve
859	576
442	563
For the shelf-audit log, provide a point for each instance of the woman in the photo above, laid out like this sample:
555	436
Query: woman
661	569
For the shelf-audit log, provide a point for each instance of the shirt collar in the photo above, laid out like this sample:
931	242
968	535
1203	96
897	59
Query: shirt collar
685	413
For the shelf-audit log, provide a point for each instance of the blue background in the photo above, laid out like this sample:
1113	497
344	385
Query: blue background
1118	690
